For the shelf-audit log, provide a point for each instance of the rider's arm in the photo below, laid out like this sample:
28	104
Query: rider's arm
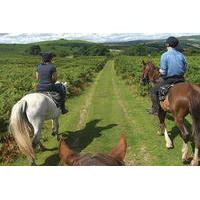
37	76
163	65
36	73
54	74
185	64
54	77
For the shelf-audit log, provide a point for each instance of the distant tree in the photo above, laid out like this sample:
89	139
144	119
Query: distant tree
63	53
84	51
94	50
140	50
34	50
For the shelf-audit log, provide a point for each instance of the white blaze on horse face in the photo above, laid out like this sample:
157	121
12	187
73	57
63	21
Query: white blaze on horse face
168	140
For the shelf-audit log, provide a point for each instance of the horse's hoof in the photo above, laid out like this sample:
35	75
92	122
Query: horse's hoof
194	162
186	161
53	134
33	163
43	148
160	133
58	138
169	147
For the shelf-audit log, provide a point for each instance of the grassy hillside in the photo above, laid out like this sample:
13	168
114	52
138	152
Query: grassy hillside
189	44
69	47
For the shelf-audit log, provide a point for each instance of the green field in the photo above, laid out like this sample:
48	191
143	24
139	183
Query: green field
17	77
105	101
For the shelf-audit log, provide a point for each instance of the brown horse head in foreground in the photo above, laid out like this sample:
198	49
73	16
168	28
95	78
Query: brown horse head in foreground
182	99
114	158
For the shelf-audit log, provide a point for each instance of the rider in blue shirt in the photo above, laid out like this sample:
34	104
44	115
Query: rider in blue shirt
172	69
172	63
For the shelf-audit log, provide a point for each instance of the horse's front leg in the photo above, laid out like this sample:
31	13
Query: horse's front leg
161	117
55	127
163	130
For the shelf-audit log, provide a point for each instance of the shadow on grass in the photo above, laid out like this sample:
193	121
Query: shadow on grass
52	160
175	132
169	117
80	139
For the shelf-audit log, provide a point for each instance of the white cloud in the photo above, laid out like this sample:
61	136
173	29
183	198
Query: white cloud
94	37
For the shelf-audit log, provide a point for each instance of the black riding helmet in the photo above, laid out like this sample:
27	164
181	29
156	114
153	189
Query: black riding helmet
46	56
172	42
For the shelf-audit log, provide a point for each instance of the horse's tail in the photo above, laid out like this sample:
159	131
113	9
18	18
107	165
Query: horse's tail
20	128
195	113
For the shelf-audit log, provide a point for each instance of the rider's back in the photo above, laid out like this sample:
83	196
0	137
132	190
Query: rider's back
45	72
173	63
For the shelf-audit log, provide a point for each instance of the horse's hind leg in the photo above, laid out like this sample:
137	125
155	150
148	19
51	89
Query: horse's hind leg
163	130
184	134
195	160
161	116
55	127
185	151
37	126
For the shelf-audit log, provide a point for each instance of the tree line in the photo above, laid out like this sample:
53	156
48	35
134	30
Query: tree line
83	50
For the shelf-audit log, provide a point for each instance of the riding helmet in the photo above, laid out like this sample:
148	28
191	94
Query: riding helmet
172	41
46	56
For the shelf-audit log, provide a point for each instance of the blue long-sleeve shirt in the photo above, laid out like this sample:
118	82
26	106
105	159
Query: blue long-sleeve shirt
172	63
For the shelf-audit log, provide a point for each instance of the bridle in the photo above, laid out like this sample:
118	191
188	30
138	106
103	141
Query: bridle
145	75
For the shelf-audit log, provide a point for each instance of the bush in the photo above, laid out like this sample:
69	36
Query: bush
63	53
34	50
94	50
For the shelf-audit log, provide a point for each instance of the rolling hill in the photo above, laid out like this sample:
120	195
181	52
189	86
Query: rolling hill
189	44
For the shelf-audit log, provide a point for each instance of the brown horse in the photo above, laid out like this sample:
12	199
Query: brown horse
150	73
182	99
115	158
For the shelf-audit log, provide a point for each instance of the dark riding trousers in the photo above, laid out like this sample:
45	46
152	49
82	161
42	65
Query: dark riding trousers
164	81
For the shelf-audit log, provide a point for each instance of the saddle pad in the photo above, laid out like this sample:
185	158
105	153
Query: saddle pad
55	96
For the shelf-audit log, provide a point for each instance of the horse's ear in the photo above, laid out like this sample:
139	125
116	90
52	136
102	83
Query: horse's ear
65	153
119	151
143	62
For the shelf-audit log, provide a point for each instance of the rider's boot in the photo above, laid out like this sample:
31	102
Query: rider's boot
63	109
154	109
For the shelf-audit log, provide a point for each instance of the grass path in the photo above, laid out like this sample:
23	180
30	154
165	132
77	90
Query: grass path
96	119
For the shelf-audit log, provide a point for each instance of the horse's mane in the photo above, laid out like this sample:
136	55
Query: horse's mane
153	71
150	63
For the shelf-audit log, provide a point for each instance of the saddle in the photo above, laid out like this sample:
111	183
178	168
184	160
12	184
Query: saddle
162	93
55	96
